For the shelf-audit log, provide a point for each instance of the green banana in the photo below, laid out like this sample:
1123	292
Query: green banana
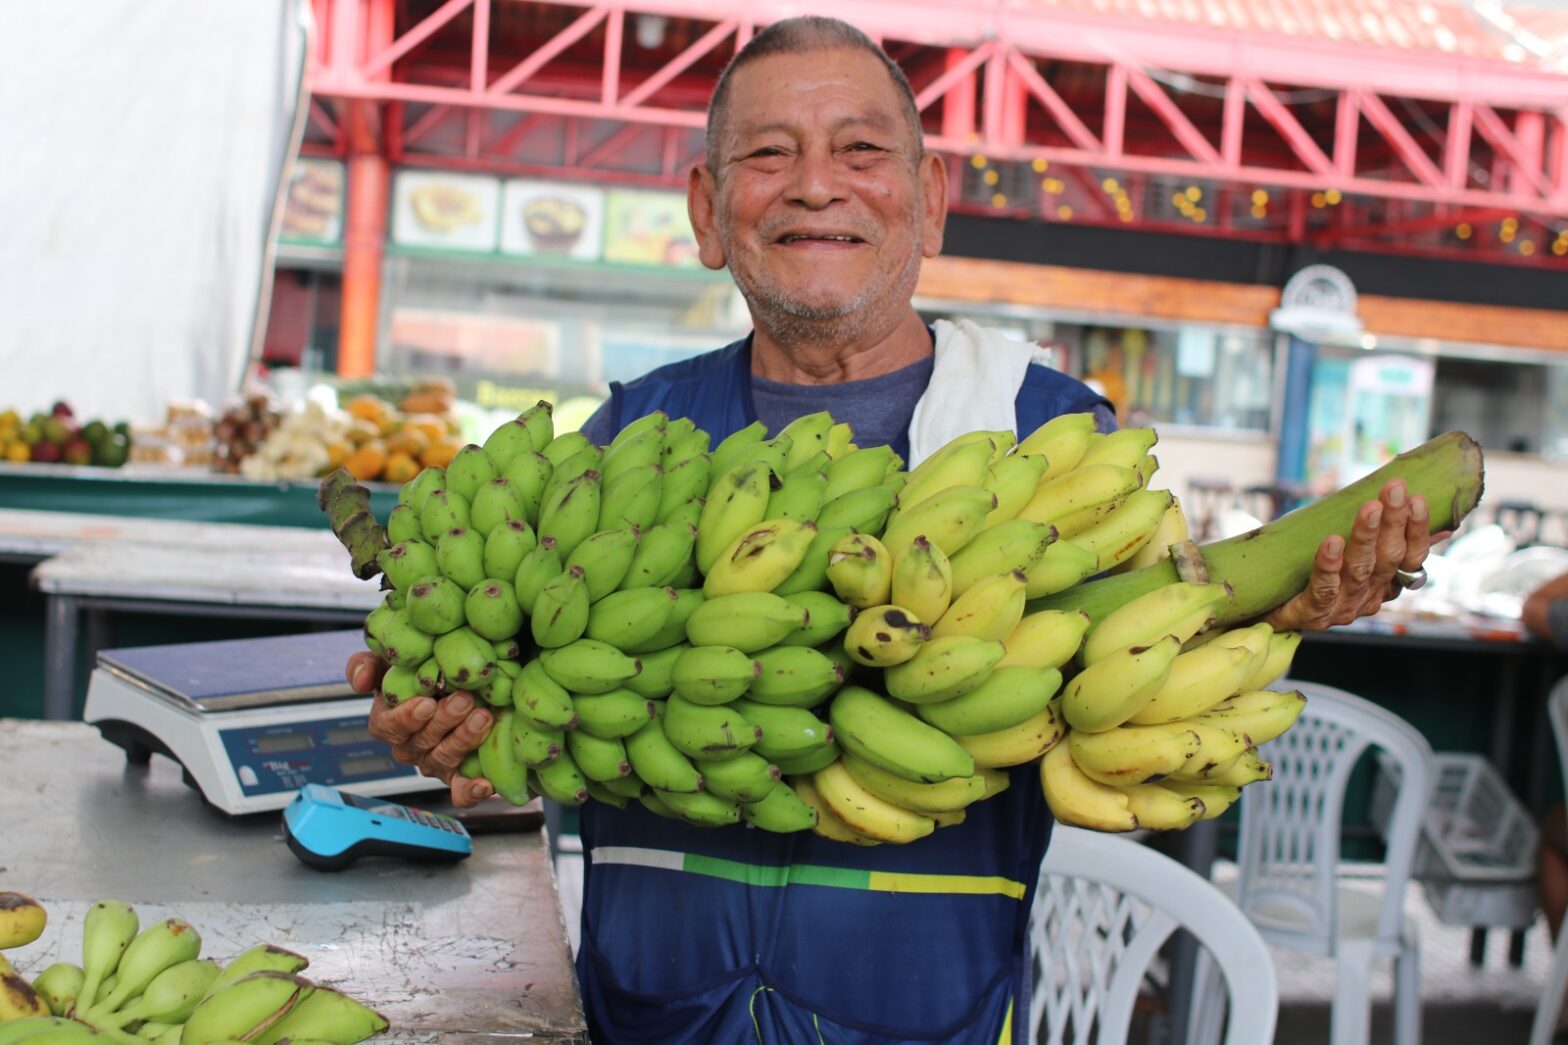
658	762
943	668
712	675
406	562
444	510
254	959
466	660
745	778
528	473
541	701
402	643
864	510
244	1009
749	621
541	427
658	419
735	446
825	618
812	573
701	808
683	482
632	498
787	732
413	493
735	503
1008	697
887	736
794	676
566	446
59	985
800	494
533	747
781	810
460	556
809	762
612	716
629	452
400	684
538	568
630	618
597	758
507	442
605	557
325	1015
559	615
944	797
660	555
707	732
574	514
403	524
858	470
491	609
589	666
468	471
499	762
656	679
673	632
496	503
1013	480
505	547
169	997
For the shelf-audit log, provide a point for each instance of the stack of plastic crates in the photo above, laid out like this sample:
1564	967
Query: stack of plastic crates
1476	855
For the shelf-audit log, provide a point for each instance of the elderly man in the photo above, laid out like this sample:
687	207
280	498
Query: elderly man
821	200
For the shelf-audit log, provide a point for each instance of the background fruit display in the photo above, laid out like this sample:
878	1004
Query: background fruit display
370	437
60	437
141	984
800	634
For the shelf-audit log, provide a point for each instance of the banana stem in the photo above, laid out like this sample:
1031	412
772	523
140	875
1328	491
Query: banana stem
347	505
1270	565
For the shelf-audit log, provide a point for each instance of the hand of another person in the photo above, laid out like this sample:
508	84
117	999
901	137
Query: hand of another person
433	735
1355	579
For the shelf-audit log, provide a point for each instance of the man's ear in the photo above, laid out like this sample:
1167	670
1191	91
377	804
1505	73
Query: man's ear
701	189
933	200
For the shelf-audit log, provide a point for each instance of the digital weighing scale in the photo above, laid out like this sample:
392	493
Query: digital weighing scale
251	721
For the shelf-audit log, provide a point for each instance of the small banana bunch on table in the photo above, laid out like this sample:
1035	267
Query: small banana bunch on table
798	633
138	984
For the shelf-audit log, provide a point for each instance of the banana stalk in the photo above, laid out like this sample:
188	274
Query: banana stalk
347	505
1270	565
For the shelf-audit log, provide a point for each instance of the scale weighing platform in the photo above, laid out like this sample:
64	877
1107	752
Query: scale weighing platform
251	721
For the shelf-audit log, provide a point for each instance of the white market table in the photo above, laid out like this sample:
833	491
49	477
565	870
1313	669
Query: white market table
462	953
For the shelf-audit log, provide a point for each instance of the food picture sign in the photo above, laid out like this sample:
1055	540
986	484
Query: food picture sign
550	219
313	210
445	211
648	228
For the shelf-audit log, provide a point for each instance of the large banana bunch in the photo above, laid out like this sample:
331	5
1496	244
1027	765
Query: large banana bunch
137	984
797	633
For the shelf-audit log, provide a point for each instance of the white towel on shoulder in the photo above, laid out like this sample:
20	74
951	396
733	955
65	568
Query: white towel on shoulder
974	381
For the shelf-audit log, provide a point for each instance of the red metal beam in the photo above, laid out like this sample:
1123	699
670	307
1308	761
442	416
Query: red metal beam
1407	148
1060	111
382	62
1189	136
520	73
1285	123
679	64
1526	162
478	67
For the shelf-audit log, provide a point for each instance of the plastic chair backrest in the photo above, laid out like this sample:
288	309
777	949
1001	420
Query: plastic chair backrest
1288	854
1104	908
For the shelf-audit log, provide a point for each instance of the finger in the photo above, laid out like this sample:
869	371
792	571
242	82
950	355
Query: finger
469	791
1418	539
1361	553
1312	609
396	723
364	671
445	758
450	712
1391	535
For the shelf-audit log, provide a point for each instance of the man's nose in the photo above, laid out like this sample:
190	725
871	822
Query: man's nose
817	180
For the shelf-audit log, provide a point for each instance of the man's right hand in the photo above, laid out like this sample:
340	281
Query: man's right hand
434	735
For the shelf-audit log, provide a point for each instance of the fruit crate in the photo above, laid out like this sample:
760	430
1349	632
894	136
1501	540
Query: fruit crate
1475	856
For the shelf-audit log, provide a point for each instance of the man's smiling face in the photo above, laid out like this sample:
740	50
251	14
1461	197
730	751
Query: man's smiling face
820	198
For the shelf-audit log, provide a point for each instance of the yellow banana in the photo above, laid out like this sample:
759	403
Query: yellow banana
1080	490
1013	479
1113	689
808	436
1199	679
861	571
1063	565
1019	744
1048	639
1014	545
1062	441
18	999
864	812
922	580
945	797
1133	754
1282	649
760	557
1216	798
1161	809
1077	799
736	502
1246	768
22	919
883	636
1124	447
1173	529
964	464
1220	746
1258	715
828	824
1180	609
948	519
990	609
1146	469
943	669
1119	536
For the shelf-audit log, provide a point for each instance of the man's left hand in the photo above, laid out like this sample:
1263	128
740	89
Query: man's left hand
1355	579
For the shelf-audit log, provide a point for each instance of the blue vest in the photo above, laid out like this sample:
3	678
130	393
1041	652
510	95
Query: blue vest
731	935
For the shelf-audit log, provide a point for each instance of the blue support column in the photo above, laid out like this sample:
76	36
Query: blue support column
1290	465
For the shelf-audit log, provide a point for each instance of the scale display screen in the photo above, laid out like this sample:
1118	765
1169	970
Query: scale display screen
283	757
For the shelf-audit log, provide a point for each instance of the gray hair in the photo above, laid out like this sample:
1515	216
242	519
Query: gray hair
805	35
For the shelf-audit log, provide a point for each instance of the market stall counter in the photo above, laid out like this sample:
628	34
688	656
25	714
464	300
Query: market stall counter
457	953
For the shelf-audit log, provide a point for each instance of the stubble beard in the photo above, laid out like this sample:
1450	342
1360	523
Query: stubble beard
789	320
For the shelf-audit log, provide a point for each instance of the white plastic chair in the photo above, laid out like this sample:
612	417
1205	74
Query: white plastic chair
1104	908
1289	879
1548	1008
